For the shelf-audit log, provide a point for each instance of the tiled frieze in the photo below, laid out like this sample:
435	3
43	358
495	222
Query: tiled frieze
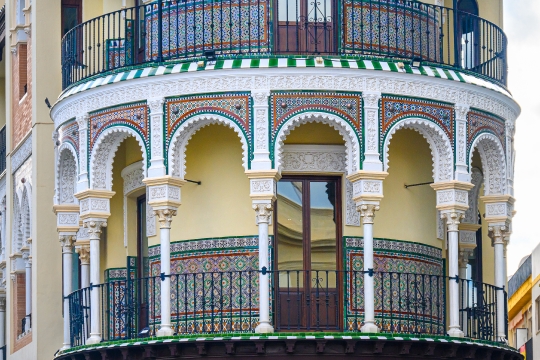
133	115
480	122
394	109
69	133
395	259
284	105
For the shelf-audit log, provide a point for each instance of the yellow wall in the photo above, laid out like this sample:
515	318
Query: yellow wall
221	206
315	134
113	252
408	214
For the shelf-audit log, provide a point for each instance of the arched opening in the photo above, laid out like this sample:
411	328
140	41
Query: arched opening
469	32
67	177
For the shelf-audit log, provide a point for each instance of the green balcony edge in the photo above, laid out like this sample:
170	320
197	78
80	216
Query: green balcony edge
284	336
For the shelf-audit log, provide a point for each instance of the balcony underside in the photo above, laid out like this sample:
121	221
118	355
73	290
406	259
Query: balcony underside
308	346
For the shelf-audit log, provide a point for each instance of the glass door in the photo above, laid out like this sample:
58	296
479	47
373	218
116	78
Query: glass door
305	26
307	228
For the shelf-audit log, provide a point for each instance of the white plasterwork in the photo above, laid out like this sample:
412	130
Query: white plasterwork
181	137
322	159
441	148
103	153
21	154
339	79
493	163
352	146
66	176
471	215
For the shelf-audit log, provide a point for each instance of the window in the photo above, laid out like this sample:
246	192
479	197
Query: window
468	28
537	310
71	14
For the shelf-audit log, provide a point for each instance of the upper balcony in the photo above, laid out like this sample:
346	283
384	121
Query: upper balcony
172	31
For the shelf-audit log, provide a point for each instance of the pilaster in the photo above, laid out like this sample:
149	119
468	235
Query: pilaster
462	170
261	153
157	143
372	159
82	183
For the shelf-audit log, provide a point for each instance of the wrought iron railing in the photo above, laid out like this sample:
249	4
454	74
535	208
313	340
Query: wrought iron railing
170	30
2	149
302	300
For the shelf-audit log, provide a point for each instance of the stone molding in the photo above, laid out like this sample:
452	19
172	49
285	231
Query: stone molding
499	208
67	217
94	204
452	195
164	192
367	186
19	156
263	185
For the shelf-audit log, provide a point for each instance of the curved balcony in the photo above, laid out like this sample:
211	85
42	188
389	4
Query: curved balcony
226	304
169	31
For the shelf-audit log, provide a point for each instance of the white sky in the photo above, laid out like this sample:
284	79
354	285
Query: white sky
522	26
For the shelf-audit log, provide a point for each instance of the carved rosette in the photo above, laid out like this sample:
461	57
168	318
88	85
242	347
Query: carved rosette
367	212
263	212
84	254
66	241
165	217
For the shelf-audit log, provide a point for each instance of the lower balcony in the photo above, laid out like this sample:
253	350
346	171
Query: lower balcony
314	314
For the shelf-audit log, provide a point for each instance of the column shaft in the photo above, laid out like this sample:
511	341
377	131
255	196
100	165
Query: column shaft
165	259
500	284
67	272
28	287
369	298
463	296
264	212
453	284
94	232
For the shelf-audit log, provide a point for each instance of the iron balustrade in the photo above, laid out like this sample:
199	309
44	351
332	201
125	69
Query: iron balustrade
301	300
168	31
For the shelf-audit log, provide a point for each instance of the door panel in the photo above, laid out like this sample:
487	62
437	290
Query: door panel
307	243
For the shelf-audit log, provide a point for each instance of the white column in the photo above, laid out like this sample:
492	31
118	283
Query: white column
367	214
84	257
497	234
94	231
165	219
66	241
2	324
263	212
452	221
28	290
464	288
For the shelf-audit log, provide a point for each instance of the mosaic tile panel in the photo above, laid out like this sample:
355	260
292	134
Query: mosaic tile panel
235	106
411	283
216	288
284	105
393	30
69	132
119	52
479	122
115	290
134	115
394	109
188	28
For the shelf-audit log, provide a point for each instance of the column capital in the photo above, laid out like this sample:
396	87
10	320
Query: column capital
263	212
453	219
497	232
165	216
367	212
371	99
66	241
367	186
94	203
499	208
461	111
84	254
263	184
452	195
260	97
164	192
156	105
464	255
94	226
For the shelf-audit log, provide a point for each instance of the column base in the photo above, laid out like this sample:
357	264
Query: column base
93	339
264	328
369	328
165	331
455	332
65	347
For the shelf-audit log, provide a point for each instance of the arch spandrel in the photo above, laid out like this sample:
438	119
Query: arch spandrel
352	143
439	144
183	134
102	157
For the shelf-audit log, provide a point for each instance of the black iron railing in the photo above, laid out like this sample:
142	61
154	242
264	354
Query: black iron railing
3	349
2	149
302	300
171	30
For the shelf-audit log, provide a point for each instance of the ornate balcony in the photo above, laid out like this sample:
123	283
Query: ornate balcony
224	306
171	31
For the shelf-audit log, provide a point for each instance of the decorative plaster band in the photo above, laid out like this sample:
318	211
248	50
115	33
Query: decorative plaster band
21	154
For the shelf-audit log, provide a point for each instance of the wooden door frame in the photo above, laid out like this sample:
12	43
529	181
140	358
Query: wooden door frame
340	279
